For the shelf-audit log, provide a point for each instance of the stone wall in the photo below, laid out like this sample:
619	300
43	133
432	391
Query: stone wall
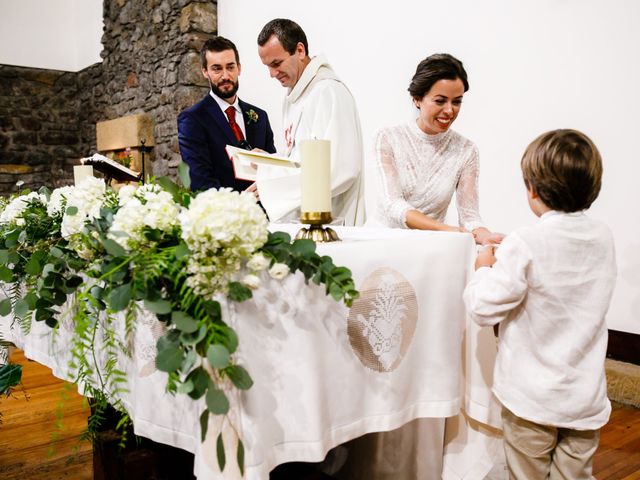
150	64
39	139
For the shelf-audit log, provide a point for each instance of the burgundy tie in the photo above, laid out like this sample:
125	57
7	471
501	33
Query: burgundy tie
231	115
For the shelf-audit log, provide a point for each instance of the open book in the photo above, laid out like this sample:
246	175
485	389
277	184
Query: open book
111	169
243	161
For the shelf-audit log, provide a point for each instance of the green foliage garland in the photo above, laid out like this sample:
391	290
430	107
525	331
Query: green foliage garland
93	273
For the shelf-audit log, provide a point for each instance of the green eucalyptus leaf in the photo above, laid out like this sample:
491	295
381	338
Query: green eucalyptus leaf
31	299
169	339
194	338
11	238
113	248
59	297
228	338
218	356
204	425
73	282
222	461
200	379
158	306
213	310
5	307
240	377
183	174
13	257
182	251
304	247
21	308
183	322
240	456
51	322
6	274
56	252
185	387
71	210
49	267
238	292
4	257
336	291
44	314
217	401
119	297
169	359
189	361
277	238
97	291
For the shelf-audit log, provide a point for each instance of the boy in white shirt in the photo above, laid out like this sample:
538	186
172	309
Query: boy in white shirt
549	288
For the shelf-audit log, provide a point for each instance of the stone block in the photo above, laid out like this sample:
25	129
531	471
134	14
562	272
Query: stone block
201	17
124	132
12	169
190	70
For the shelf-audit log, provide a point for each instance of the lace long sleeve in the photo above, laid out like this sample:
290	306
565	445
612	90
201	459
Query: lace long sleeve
392	206
467	202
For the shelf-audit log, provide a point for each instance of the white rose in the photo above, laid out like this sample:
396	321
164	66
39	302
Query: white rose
279	271
251	281
258	262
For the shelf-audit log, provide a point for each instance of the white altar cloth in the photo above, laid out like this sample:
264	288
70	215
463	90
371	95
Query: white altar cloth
323	373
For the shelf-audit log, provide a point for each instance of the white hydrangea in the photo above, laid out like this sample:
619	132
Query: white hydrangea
149	206
18	205
58	200
125	193
87	197
279	271
223	229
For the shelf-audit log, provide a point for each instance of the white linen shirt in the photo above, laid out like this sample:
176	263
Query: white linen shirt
550	289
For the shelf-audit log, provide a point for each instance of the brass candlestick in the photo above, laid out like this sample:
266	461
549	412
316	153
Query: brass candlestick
316	230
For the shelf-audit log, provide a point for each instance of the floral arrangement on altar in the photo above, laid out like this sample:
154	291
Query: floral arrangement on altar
101	253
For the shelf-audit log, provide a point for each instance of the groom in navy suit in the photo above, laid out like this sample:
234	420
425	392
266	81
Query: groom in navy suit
220	119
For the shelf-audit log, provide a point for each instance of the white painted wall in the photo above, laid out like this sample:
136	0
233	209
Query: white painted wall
55	34
533	66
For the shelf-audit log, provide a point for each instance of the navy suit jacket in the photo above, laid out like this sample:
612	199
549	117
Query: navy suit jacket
203	132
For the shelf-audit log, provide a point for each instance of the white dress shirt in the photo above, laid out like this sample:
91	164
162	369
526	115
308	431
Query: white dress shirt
550	289
223	104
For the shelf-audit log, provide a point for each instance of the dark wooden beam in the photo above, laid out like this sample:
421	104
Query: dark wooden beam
624	346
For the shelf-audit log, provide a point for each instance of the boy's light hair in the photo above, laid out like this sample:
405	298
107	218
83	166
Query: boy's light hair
564	168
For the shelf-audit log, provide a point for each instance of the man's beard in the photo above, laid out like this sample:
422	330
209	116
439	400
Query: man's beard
227	93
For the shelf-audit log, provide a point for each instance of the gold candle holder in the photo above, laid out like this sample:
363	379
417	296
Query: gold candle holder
316	230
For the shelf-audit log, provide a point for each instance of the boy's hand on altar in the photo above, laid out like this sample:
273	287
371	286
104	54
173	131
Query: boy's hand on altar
486	257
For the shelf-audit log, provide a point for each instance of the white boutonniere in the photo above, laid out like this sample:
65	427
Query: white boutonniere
252	115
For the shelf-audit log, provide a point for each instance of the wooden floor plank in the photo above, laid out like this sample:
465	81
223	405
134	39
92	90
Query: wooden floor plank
31	447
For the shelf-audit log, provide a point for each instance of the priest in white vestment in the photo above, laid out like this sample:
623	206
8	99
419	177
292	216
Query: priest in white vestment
317	106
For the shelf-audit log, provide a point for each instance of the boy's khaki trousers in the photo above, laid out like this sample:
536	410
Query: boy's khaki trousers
538	452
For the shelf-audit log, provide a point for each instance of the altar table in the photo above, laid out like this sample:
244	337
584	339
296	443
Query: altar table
325	374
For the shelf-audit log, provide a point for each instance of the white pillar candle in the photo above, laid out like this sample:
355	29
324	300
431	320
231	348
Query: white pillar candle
80	172
315	157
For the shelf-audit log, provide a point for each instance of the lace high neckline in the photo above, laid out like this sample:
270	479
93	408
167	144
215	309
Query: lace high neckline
435	138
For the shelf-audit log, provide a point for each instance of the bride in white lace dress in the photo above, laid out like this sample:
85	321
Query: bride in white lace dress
421	164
